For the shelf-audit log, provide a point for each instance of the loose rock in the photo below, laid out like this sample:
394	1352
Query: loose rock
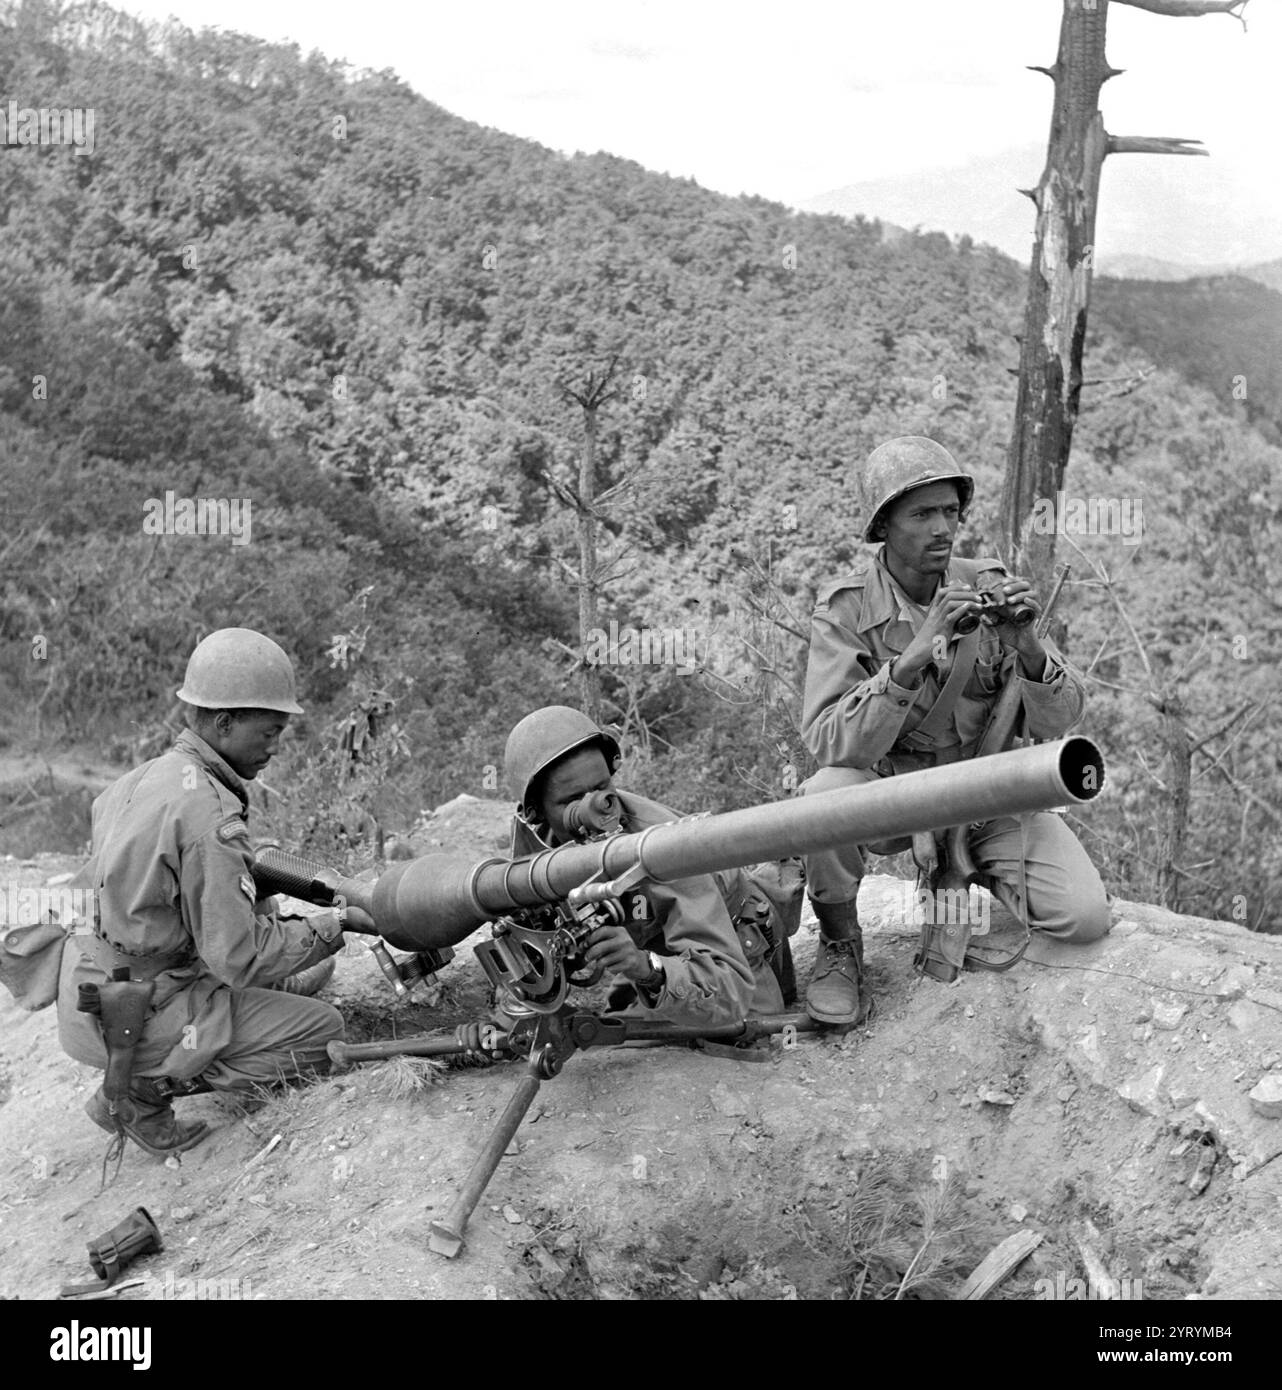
1168	1015
1144	1092
1266	1096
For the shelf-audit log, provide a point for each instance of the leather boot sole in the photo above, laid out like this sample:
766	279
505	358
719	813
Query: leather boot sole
845	1016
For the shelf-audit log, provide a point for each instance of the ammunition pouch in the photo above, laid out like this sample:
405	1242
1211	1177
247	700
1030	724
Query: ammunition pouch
136	1235
756	940
110	1254
942	952
31	962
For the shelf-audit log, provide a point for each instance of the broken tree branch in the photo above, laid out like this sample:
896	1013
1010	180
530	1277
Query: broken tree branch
1191	9
1153	144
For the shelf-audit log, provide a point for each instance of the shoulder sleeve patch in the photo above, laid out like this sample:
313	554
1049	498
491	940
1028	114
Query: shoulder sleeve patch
247	887
233	828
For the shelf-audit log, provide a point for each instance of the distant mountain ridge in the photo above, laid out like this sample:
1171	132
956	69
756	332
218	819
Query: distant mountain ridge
1151	268
981	199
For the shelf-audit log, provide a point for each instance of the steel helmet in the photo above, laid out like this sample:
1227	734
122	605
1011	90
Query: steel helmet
237	668
902	464
543	738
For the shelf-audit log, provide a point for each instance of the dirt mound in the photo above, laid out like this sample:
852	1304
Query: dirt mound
1098	1097
45	804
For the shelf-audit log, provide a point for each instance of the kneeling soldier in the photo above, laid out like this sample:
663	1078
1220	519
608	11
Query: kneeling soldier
902	675
171	870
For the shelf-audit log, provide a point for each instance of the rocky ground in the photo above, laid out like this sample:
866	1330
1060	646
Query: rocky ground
1099	1098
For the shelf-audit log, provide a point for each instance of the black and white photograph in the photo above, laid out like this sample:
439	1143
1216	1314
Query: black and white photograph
640	664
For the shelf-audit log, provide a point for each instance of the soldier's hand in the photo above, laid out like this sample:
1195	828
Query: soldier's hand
1013	591
612	947
937	632
358	920
1021	639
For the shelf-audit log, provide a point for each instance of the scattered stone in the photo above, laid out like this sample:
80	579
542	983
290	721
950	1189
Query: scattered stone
1065	1093
551	1271
1208	1156
180	1213
1144	1092
1144	1014
1182	1093
1244	1016
512	1216
990	1096
1168	1015
727	1102
1141	1032
1018	1211
1234	982
1266	1097
970	1012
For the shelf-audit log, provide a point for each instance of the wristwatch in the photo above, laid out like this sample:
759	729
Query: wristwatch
653	985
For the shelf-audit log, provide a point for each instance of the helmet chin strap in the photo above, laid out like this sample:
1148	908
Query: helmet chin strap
536	827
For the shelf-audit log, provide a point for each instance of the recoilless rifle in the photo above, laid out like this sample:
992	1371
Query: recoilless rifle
544	906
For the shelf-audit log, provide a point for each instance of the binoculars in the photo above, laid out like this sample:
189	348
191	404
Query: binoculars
992	609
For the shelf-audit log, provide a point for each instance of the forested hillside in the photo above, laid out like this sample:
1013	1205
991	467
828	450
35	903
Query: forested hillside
279	280
1223	332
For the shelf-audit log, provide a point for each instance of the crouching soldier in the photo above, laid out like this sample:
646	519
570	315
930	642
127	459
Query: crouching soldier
196	980
903	675
677	955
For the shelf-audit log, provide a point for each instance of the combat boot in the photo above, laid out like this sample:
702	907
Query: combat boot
147	1117
835	993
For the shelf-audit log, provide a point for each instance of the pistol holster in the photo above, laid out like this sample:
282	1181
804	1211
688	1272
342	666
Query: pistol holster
121	1006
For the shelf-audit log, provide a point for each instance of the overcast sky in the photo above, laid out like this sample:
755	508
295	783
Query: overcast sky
791	100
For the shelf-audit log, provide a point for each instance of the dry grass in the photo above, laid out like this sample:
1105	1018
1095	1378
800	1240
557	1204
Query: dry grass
400	1078
895	1240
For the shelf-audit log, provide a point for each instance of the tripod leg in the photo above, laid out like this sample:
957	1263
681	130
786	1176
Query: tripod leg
447	1233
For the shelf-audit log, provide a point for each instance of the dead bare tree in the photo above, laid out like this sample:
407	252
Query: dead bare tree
1050	364
590	395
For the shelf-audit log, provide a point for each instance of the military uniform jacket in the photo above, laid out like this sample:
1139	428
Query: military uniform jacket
854	715
708	980
171	864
